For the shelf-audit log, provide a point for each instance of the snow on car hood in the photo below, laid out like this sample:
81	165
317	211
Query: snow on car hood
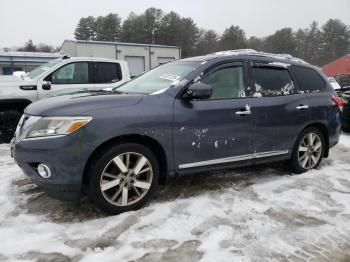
70	105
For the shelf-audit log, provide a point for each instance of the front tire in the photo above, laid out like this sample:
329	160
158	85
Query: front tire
123	178
308	151
8	124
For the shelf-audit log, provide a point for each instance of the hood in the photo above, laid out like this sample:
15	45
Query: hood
14	81
11	79
82	103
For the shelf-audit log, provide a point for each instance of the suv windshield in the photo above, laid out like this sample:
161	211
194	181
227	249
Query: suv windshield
159	78
43	68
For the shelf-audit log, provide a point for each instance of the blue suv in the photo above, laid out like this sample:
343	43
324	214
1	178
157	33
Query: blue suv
205	113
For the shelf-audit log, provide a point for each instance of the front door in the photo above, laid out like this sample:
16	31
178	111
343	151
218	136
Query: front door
75	76
218	130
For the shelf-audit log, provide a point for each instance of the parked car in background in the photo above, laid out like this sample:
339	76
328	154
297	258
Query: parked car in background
19	73
345	115
334	84
54	78
205	113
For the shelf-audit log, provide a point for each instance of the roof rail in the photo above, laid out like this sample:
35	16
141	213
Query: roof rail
253	52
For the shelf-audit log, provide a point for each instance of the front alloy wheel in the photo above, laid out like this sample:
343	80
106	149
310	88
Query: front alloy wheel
123	178
126	179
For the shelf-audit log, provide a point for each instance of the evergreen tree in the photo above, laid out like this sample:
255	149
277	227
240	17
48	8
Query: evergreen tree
108	28
29	46
281	42
207	43
255	43
151	22
313	43
301	43
182	32
233	38
335	40
86	29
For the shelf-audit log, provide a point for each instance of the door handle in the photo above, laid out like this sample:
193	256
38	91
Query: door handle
244	112
301	107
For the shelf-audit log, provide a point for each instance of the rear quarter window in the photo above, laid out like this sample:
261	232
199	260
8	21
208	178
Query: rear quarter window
309	80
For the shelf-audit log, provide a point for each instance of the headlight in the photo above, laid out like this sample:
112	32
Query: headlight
54	126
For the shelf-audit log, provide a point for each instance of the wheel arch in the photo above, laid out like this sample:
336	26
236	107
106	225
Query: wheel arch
147	141
323	129
14	104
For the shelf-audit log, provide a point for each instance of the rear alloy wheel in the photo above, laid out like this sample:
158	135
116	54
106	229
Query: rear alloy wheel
308	151
8	124
126	180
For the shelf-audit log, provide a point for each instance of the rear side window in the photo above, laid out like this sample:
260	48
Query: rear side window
309	80
272	81
107	73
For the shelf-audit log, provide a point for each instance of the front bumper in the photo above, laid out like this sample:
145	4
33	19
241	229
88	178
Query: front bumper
66	157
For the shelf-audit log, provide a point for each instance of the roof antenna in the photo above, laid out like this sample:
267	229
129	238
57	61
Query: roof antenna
65	57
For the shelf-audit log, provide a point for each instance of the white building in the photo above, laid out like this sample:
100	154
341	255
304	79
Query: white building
140	57
11	61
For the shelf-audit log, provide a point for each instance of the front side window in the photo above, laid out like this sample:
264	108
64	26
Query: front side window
309	81
226	83
73	73
272	81
159	78
107	73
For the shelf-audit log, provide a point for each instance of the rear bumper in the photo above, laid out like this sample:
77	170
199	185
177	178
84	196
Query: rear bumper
65	156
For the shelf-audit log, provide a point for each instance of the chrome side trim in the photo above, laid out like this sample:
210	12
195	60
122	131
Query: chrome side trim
270	153
233	159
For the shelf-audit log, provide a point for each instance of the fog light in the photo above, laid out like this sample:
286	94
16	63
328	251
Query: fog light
44	171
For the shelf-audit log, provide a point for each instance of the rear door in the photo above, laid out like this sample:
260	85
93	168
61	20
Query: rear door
106	74
214	131
280	113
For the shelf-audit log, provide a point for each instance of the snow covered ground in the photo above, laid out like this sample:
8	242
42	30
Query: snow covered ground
258	213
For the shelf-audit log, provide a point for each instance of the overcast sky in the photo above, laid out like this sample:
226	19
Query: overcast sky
52	21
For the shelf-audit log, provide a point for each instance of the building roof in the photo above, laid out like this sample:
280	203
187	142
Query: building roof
340	66
29	54
117	43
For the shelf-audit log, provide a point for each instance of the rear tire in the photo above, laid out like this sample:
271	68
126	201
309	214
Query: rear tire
123	178
308	151
8	124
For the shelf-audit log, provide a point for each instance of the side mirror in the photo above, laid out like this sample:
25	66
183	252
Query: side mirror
46	85
198	91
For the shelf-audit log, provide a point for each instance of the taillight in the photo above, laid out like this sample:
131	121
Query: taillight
337	101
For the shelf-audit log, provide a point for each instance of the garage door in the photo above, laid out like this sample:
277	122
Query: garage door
136	64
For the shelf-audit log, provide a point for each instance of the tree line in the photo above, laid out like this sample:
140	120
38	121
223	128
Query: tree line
315	44
31	47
